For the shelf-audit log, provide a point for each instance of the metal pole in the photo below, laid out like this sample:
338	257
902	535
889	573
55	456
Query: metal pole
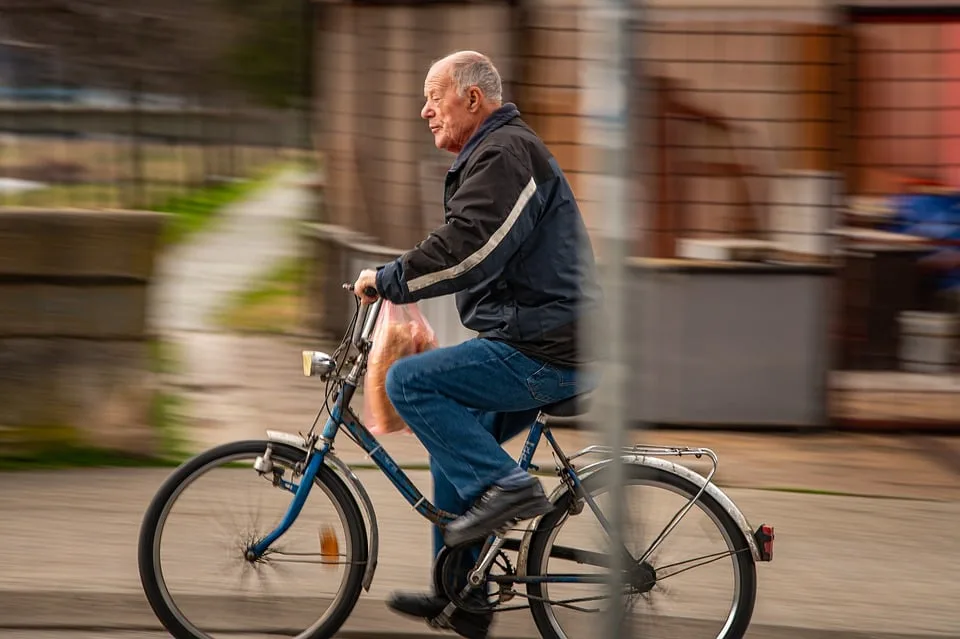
607	54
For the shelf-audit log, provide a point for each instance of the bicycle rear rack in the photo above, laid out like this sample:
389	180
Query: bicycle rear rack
659	451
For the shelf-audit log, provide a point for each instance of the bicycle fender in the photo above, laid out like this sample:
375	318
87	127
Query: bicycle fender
531	528
652	462
373	530
356	489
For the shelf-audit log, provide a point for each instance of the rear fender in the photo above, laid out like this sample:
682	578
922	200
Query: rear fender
651	462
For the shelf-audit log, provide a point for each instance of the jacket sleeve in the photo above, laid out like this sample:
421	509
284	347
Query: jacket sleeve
494	210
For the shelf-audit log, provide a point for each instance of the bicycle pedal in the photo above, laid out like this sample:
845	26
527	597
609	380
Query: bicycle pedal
440	622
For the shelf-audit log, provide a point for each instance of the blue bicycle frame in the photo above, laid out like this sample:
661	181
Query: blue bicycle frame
342	416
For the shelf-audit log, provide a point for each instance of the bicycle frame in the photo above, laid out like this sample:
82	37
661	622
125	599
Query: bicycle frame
318	447
342	416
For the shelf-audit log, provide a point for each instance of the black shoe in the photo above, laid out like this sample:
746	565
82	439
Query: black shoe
473	625
496	508
420	605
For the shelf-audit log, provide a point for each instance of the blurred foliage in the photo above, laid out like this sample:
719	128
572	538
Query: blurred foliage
271	304
197	209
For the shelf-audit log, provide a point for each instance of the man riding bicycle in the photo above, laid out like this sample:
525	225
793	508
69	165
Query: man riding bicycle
514	249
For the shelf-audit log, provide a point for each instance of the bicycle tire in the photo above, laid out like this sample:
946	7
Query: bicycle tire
635	473
148	559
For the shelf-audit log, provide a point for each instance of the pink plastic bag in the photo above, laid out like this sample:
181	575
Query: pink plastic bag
401	331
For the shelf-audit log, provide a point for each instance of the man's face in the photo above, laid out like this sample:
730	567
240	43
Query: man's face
450	120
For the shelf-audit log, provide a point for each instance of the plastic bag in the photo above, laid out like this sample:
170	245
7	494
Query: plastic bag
401	331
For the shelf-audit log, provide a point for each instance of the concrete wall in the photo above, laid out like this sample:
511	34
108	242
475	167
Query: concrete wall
74	356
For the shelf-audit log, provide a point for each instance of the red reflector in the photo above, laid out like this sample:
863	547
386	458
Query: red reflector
765	536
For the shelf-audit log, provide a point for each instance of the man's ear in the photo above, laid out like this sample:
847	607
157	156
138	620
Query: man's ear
474	99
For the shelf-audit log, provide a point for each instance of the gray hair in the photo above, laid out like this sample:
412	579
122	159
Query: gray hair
469	69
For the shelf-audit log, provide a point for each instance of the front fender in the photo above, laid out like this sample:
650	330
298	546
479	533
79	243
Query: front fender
373	530
359	493
652	462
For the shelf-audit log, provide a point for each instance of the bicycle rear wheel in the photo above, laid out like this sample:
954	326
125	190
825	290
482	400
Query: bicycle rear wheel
325	549
721	569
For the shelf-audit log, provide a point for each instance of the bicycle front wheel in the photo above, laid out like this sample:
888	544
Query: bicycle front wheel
699	582
198	527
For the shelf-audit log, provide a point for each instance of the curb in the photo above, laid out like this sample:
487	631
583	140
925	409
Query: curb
78	611
108	612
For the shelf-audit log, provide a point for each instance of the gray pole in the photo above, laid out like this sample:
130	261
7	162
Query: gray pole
608	49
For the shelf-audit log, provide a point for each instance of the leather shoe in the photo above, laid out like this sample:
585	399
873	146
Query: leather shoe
472	625
496	508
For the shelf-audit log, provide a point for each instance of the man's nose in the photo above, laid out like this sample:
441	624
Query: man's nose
426	112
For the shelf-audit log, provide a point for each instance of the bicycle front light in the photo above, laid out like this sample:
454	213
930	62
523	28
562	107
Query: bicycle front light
317	364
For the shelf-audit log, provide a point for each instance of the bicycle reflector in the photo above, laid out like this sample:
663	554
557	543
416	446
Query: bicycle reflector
329	546
764	537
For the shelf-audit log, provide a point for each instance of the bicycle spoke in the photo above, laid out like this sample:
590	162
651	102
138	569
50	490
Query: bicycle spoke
246	590
315	563
321	562
563	603
651	590
709	560
674	521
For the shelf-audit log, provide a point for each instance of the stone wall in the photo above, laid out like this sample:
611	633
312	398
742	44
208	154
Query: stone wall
74	345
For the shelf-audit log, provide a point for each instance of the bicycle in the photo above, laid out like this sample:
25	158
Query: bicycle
312	464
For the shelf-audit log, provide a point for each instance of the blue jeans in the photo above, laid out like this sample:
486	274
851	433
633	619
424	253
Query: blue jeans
464	401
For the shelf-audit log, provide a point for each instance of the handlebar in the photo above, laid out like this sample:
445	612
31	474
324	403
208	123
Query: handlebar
368	291
367	315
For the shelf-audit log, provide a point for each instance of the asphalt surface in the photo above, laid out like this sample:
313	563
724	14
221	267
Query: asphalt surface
845	566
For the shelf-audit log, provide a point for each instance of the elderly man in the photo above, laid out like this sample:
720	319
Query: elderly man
515	251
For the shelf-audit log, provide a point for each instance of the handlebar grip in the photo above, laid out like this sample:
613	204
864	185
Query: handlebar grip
370	291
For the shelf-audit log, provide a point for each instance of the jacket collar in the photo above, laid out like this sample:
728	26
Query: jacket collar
493	122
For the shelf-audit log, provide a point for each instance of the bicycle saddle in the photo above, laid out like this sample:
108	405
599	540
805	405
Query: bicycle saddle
576	405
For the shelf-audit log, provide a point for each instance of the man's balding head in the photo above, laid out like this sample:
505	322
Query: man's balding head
461	91
472	69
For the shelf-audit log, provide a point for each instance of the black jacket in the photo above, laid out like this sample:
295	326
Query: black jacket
514	247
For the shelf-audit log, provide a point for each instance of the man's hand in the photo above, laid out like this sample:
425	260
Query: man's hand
366	279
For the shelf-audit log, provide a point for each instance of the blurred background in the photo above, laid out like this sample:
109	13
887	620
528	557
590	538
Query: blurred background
184	187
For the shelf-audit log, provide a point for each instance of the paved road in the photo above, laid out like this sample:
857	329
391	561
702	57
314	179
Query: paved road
757	632
843	563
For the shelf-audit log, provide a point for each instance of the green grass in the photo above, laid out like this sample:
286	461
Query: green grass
162	356
831	493
166	412
166	407
191	211
195	211
78	196
272	303
68	457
